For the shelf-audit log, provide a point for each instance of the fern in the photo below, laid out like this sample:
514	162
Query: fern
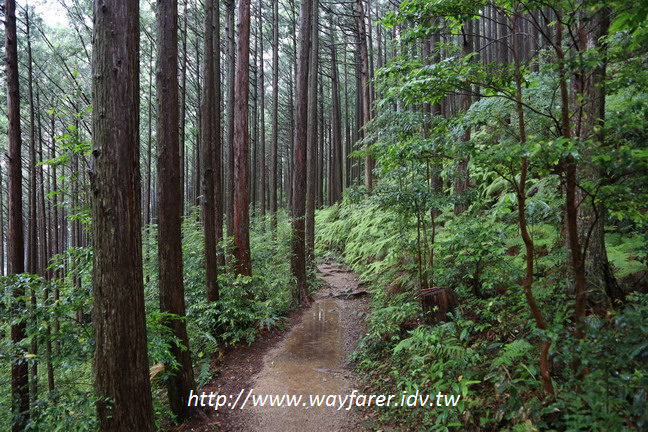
512	352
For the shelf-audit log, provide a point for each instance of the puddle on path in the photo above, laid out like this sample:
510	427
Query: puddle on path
306	363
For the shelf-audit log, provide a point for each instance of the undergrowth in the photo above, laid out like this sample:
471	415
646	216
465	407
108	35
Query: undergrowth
249	306
487	349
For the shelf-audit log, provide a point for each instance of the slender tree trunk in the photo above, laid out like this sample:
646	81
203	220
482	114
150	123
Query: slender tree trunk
16	246
502	37
149	156
365	89
241	144
300	148
169	193
462	181
197	169
570	170
56	230
208	116
32	236
335	184
275	116
289	151
595	214
45	251
182	121
311	135
218	139
121	360
527	284
231	102
347	127
262	151
254	141
321	171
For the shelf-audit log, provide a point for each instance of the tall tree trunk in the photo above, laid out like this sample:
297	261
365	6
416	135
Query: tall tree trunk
208	116
571	210
121	360
262	152
218	140
275	116
321	163
32	236
311	134
252	162
182	121
365	89
300	148
347	127
462	181
149	158
45	251
241	226
56	230
595	214
197	169
169	193
16	241
288	183
231	102
335	184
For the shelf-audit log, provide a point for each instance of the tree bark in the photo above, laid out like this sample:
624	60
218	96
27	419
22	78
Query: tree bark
32	237
208	109
241	226
365	89
275	116
16	241
462	181
300	148
335	184
595	214
262	151
311	135
182	121
231	102
180	382
121	360
218	141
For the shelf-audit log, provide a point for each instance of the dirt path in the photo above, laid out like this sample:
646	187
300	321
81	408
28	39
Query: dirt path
310	359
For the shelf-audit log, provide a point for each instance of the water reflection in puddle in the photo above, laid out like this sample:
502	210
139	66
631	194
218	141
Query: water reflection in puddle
304	364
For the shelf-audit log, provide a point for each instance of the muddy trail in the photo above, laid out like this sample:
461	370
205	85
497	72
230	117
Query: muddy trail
312	358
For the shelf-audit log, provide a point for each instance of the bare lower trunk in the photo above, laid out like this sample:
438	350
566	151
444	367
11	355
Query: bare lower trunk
169	189
311	170
275	111
298	259
121	360
231	101
16	243
365	89
241	220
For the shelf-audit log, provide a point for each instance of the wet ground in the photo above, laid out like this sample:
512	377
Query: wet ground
312	358
307	363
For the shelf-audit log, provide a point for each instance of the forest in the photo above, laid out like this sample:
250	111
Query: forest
458	187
